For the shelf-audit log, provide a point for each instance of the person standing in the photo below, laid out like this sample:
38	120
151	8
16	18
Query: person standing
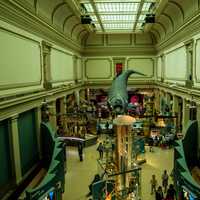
100	149
153	183
80	151
165	178
159	193
171	192
151	142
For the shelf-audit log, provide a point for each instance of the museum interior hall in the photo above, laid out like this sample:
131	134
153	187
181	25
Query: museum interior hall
99	99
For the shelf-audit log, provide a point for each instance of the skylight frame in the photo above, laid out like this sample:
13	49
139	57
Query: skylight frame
118	12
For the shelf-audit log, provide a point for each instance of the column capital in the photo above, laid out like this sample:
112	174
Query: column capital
75	57
189	43
14	117
46	47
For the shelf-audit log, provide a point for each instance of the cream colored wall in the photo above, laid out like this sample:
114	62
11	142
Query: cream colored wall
175	61
142	65
79	69
20	61
62	66
159	68
98	69
176	64
118	45
103	68
119	39
196	60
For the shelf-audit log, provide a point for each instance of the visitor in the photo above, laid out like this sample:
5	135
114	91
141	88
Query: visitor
168	197
151	142
80	151
171	192
100	149
165	178
159	193
153	183
96	179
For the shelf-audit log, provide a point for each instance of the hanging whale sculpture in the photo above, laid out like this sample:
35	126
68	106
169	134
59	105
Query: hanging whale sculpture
118	95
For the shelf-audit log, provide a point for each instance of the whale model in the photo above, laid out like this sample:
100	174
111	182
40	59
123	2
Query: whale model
118	95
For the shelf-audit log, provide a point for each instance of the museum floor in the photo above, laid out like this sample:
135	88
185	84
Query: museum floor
80	174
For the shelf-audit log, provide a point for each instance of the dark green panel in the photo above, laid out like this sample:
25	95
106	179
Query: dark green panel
5	161
28	140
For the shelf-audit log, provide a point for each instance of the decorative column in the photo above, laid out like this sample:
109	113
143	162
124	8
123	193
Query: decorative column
162	99
157	100
16	148
63	105
38	118
175	111
186	115
52	111
77	97
189	73
168	98
162	67
46	47
75	65
175	105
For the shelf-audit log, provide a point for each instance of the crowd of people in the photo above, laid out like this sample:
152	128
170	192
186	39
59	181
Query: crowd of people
162	192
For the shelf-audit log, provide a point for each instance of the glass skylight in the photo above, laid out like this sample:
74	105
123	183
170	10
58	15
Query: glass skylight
146	6
88	7
117	7
139	25
142	17
116	15
97	26
93	17
118	26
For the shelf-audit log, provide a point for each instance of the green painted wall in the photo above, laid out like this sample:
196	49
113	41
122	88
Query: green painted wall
28	140
5	160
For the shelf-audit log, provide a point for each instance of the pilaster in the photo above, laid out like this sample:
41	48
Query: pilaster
46	47
16	148
157	100
162	67
75	65
186	115
63	105
38	117
52	111
189	53
175	104
77	97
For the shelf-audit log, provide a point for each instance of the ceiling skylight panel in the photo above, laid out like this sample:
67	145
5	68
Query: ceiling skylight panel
142	17
146	6
139	26
93	17
118	17
117	7
88	7
97	26
117	26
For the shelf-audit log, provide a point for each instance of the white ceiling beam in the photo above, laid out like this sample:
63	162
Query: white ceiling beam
97	14
117	1
138	14
120	13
